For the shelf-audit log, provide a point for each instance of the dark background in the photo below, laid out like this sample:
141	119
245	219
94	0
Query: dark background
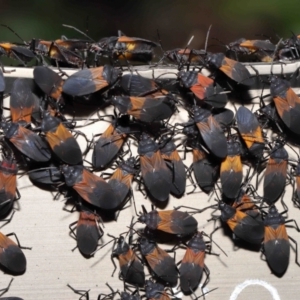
176	20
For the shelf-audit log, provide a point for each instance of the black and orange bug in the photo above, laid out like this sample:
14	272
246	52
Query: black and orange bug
250	131
137	85
276	245
263	49
120	181
231	68
156	175
20	53
162	265
61	141
275	174
206	169
172	221
48	81
192	264
145	109
204	88
255	45
88	81
12	258
286	101
88	231
243	226
211	132
234	48
92	188
131	268
155	291
245	204
73	45
21	101
26	141
260	48
110	143
61	51
8	185
126	48
231	171
170	154
5	290
46	177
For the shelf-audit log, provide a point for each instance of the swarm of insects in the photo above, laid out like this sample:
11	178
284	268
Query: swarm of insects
191	129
